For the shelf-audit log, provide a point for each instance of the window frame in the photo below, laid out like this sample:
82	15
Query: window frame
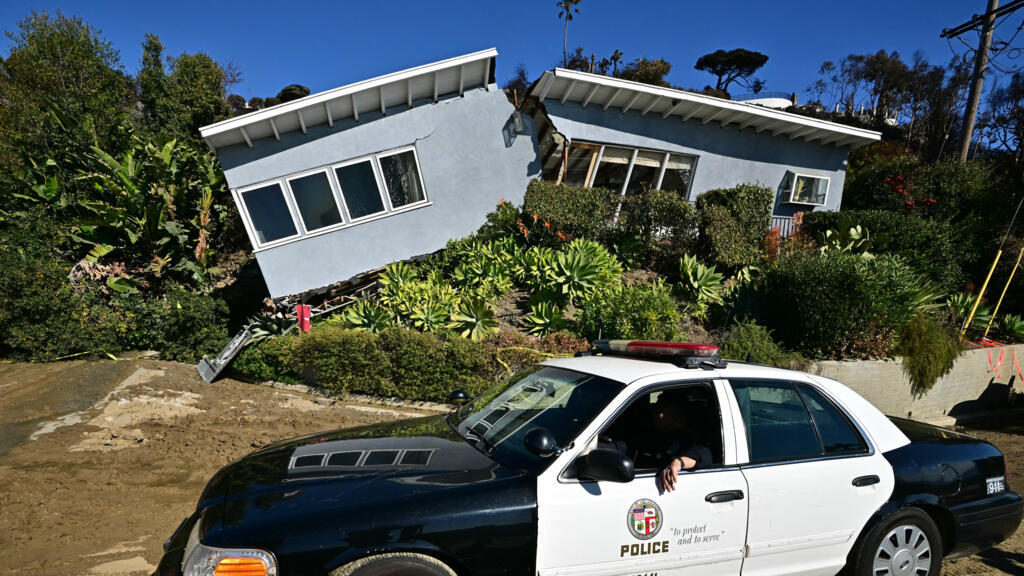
335	190
791	188
636	150
239	195
419	176
284	184
795	384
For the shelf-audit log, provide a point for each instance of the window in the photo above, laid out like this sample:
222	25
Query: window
683	420
359	188
804	189
678	173
777	422
612	168
315	201
269	214
646	169
838	436
402	178
580	164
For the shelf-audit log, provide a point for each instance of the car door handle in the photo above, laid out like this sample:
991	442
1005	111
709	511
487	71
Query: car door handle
861	481
726	496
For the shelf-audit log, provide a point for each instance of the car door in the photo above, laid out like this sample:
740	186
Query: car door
814	479
607	528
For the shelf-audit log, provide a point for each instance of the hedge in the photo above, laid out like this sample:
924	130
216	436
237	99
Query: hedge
732	222
576	211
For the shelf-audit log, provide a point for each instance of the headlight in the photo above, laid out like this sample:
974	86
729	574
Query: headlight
202	560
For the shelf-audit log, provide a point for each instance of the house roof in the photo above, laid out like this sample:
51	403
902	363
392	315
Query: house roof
404	88
597	90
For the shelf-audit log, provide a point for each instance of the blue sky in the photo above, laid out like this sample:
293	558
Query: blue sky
327	44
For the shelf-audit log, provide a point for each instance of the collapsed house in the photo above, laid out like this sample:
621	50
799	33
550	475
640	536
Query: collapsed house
354	178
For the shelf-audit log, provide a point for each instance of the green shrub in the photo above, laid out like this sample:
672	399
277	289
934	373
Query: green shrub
732	222
928	352
182	325
836	304
343	361
699	285
267	360
642	311
577	212
655	226
426	367
747	341
930	246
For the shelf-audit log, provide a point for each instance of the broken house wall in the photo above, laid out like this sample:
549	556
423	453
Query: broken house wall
726	157
468	158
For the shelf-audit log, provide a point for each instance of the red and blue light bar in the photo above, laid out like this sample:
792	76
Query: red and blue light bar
684	353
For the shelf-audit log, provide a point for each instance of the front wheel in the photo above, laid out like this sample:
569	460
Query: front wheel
905	544
395	564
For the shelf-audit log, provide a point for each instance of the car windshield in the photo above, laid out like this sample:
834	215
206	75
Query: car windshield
562	401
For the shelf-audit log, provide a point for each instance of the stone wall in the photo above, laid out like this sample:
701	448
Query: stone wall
971	387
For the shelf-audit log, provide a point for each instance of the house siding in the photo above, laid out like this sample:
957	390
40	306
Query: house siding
726	157
468	158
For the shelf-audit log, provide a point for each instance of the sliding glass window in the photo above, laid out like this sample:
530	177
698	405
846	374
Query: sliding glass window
580	164
646	170
315	200
678	174
402	178
612	168
359	188
268	213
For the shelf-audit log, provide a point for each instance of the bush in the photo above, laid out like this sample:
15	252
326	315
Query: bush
643	311
267	360
663	223
747	341
343	361
928	352
928	245
424	366
837	304
182	325
577	212
732	222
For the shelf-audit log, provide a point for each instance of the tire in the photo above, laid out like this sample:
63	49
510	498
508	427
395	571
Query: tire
905	544
395	564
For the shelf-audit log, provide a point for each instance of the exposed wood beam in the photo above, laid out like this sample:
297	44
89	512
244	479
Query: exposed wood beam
711	117
487	75
802	132
846	141
462	83
355	109
568	91
693	111
246	136
383	109
273	126
831	139
632	101
590	95
750	121
435	86
654	100
768	126
547	86
330	117
785	130
408	92
674	107
729	119
612	99
302	122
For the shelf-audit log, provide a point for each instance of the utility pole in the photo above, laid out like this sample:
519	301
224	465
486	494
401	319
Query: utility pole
980	64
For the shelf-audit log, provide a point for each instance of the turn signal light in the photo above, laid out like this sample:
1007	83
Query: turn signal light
240	566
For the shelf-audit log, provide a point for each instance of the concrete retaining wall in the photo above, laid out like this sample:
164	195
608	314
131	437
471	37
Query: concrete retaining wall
970	387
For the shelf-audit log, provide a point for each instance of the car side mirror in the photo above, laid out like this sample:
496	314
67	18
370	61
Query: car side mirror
604	464
540	442
458	397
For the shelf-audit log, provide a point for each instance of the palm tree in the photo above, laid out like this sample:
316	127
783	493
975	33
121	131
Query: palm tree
616	57
566	10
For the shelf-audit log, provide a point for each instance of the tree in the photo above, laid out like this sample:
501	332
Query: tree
579	61
238	105
1002	124
195	95
733	66
152	79
519	82
615	58
647	71
257	103
566	9
292	92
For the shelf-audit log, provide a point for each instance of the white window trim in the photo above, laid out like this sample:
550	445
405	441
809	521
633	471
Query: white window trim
629	170
247	221
419	176
792	188
334	195
376	177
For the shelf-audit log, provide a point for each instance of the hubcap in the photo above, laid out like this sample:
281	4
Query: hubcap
905	551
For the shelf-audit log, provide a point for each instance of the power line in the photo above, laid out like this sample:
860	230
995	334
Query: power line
980	19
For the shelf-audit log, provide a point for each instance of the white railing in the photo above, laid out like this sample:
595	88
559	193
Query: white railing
783	223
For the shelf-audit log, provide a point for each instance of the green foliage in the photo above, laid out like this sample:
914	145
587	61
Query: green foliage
959	306
643	311
928	350
736	65
266	360
1012	328
929	245
424	366
748	341
343	360
732	223
292	92
699	285
502	222
544	318
367	316
647	71
195	95
661	223
849	236
474	320
182	325
836	304
576	212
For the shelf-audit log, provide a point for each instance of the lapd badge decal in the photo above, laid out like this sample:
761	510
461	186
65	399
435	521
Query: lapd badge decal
644	519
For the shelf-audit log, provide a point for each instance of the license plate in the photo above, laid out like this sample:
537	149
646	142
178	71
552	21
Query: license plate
996	485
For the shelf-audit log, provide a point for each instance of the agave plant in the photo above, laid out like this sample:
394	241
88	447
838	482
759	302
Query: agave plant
532	267
544	319
430	317
604	262
1012	328
701	285
574	276
849	236
396	274
366	315
474	320
266	326
959	306
928	296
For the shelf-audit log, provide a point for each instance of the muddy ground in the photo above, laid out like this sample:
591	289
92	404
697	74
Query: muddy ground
99	461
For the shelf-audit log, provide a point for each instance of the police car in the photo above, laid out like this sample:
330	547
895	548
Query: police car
561	471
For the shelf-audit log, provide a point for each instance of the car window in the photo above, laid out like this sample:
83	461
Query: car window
778	424
658	425
837	433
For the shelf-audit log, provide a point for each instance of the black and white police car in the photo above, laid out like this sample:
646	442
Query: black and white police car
559	472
